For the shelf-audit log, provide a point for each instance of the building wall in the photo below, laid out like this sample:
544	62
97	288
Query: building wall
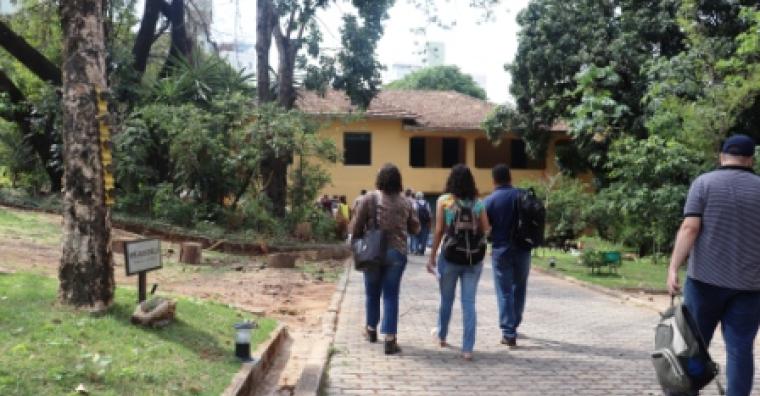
390	143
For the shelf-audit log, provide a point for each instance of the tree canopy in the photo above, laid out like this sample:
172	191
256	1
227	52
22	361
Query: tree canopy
440	78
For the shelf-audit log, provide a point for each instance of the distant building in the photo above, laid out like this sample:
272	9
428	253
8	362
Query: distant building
241	55
199	17
424	133
400	70
8	7
435	53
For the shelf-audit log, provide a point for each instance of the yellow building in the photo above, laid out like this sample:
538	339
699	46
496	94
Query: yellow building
424	133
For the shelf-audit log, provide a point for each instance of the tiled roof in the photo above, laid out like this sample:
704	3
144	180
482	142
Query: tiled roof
423	109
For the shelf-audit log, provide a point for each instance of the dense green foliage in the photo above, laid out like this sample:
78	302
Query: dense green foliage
191	152
189	146
648	92
109	355
440	78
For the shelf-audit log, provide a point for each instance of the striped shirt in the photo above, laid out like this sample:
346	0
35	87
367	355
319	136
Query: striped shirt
727	251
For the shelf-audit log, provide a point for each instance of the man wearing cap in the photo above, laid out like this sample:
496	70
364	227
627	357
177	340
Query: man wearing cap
720	234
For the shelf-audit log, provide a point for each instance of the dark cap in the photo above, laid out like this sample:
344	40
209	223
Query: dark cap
741	145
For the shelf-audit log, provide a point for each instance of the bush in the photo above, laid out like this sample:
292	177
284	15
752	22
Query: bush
167	205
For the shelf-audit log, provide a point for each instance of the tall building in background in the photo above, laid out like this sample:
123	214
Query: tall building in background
198	19
398	71
8	7
435	53
240	54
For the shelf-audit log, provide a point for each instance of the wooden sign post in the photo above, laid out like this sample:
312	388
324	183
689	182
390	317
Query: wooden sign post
139	258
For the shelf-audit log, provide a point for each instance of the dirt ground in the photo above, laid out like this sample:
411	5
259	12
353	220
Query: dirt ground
297	297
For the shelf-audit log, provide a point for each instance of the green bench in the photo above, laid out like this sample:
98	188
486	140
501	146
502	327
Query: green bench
610	259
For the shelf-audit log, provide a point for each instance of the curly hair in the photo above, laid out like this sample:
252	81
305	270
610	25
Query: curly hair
389	179
461	183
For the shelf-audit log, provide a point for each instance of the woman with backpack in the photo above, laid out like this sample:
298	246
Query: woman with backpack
389	211
462	224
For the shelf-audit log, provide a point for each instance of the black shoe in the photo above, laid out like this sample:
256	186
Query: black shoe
509	341
391	347
370	334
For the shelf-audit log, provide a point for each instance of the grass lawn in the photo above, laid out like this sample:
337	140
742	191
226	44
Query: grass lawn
29	226
49	349
638	274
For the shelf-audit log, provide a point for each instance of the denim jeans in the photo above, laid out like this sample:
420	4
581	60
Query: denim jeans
739	315
420	240
511	267
449	273
384	281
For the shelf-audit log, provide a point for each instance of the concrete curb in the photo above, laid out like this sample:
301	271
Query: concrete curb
601	289
244	383
313	373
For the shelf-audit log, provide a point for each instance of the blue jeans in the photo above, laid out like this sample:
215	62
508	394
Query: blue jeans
739	315
420	240
511	267
384	281
449	273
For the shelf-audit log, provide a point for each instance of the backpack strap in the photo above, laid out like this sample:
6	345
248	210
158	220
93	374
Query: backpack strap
375	223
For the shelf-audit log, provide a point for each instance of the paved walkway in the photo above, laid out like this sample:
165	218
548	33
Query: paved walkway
574	342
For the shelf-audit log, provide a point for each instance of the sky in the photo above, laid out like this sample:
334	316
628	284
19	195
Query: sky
477	47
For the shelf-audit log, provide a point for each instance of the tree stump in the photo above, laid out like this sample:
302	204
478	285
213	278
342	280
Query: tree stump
190	252
281	260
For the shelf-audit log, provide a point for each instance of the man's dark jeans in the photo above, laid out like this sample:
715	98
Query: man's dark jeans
739	315
511	267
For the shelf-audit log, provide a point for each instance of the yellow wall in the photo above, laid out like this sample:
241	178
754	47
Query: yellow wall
390	143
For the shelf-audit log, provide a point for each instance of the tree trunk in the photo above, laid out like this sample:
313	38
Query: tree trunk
181	47
86	271
264	26
144	39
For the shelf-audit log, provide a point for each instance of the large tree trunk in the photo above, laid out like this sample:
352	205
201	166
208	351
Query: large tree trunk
86	271
274	169
145	35
264	26
181	45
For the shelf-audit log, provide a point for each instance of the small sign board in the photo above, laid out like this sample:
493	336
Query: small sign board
142	256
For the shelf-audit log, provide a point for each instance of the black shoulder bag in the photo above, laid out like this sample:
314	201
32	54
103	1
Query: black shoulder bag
371	248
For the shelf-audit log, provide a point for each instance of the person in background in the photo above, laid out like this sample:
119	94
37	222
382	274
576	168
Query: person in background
409	195
326	204
396	216
342	217
460	192
719	235
425	218
355	204
511	264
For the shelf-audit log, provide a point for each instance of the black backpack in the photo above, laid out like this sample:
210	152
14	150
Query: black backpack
530	218
465	242
423	213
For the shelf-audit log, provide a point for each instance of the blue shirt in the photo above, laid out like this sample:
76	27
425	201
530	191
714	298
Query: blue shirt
500	208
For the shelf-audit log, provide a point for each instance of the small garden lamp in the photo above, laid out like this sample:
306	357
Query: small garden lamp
243	340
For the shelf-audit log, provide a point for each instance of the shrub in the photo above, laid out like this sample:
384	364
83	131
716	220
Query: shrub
167	205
